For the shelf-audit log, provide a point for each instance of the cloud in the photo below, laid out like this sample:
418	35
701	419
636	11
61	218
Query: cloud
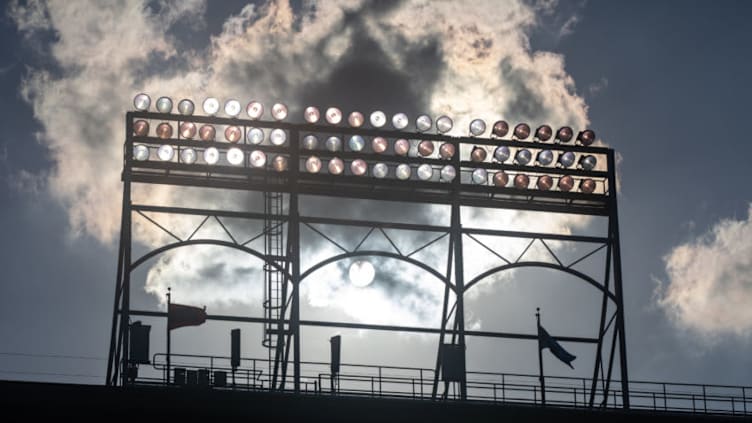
419	56
709	287
597	87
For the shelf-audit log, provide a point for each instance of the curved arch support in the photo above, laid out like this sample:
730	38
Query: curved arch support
409	260
572	272
217	242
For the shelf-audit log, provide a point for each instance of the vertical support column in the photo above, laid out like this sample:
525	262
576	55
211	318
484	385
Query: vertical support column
601	326
294	233
613	228
444	317
459	278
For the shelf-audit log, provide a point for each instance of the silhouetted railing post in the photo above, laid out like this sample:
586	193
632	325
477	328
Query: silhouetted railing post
704	400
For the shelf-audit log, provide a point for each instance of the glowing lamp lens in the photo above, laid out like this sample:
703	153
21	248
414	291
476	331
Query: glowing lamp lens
141	128
279	163
356	119
500	179
425	148
233	134
479	176
278	136
545	157
500	128
522	131
310	142
188	130
478	154
543	133
521	181
380	170
336	166
588	162
333	115
165	152
545	183
140	152
164	105
379	144
502	153
446	150
564	134
400	121
211	155
164	130
523	156
235	156
258	158
566	159
233	108
186	107
279	111
311	114
566	183
207	133
211	106
313	164
425	172
587	186
586	137
378	119
141	102
188	156
255	110
358	167
448	173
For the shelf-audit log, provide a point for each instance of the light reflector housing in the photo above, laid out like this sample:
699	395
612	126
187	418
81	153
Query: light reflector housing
164	130
566	183
423	123
500	129
232	108
522	131
211	156
311	114
521	181
545	158
446	150
333	115
279	163
187	130
502	153
255	110
310	142
444	124
165	152
210	106
258	158
379	144
255	135
140	152
403	172
564	134
543	133
586	137
356	143
336	166
477	127
141	128
380	170
587	186
523	156
425	172
448	173
400	121
164	104
278	136
425	148
188	156
333	143
235	156
500	179
358	167
313	164
141	102
401	147
233	133
207	133
566	159
356	119
378	119
545	182
478	154
186	107
279	112
479	176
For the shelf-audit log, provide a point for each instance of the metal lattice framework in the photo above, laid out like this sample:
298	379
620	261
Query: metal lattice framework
294	181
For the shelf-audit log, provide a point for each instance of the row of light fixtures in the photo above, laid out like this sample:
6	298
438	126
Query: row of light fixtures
378	119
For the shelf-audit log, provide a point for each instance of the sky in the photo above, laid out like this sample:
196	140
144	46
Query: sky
663	83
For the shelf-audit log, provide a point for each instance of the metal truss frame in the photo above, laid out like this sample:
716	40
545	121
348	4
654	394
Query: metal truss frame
455	194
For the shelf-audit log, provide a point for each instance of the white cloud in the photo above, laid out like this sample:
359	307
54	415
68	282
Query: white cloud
709	287
484	67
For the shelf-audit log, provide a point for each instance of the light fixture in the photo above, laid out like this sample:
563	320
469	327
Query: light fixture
255	135
446	150
587	162
165	152
255	110
164	130
313	164
211	155
188	130
479	176
356	119
356	143
401	147
544	158
336	166
545	182
403	172
521	181
142	102
279	111
258	158
586	137
523	156
333	115
186	107
164	104
358	167
522	131
500	128
500	179
379	144
444	124
564	134
587	186
378	119
188	156
207	133
210	106
477	127
478	154
141	128
233	133
279	163
448	173
277	136
543	133
423	123
400	121
566	183
425	148
566	159
140	152
425	172
310	142
502	153
311	114
380	170
333	143
233	108
235	156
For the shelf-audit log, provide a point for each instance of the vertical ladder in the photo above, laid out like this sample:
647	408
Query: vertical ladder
274	281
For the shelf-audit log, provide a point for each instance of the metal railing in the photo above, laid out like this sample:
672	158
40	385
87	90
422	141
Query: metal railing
417	383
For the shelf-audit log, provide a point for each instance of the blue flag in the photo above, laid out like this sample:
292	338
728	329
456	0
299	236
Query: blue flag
547	341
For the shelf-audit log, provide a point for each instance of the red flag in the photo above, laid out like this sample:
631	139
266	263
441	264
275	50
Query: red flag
182	315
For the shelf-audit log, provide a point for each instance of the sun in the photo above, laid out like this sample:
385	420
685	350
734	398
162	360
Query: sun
361	273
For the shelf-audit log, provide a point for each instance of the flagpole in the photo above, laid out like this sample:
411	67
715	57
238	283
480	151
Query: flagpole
167	379
540	359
